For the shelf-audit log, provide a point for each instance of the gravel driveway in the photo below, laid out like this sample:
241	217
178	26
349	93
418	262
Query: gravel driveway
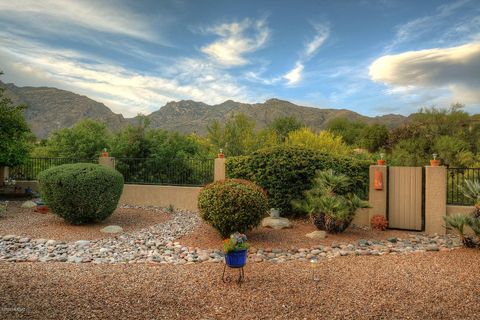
440	285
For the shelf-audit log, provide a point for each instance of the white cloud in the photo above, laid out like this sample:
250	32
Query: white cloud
125	91
311	48
456	69
76	18
235	42
294	76
432	24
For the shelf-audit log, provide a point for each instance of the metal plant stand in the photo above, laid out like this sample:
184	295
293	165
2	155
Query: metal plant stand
229	278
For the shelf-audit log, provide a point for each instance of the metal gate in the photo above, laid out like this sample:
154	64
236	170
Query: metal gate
405	198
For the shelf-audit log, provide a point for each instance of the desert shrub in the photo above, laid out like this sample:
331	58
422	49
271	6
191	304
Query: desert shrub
329	203
232	205
285	172
81	192
379	222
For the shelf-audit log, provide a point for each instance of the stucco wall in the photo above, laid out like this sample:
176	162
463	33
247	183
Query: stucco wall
149	195
163	196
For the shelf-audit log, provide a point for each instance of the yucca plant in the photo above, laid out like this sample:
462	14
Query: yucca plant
458	222
474	224
471	190
328	203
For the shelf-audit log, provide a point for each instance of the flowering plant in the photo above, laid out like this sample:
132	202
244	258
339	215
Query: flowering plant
236	242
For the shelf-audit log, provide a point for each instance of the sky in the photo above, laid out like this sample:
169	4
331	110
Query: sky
371	56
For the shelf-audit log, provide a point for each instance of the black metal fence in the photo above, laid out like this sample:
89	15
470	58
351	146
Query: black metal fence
182	172
455	179
33	166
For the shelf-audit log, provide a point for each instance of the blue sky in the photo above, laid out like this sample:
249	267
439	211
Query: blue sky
373	57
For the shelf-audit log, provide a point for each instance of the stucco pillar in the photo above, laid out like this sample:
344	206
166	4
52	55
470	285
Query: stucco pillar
435	199
377	198
3	175
219	170
107	162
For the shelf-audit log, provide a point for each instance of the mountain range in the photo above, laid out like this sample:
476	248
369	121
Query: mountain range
50	109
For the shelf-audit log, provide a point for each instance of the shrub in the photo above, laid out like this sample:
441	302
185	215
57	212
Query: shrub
285	172
81	192
379	222
232	205
329	204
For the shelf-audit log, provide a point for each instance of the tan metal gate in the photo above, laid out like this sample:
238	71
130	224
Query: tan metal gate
405	198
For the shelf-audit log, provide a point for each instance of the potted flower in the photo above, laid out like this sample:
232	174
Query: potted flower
104	152
220	154
381	161
236	250
435	162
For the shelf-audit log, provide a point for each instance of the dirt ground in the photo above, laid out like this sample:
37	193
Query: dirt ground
442	285
25	222
206	236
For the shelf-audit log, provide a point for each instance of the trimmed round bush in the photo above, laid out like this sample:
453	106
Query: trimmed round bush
81	192
286	172
233	205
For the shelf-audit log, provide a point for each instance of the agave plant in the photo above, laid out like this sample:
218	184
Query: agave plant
328	203
471	190
458	223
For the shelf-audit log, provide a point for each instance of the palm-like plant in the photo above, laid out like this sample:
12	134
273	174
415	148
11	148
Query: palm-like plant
328	203
458	223
471	190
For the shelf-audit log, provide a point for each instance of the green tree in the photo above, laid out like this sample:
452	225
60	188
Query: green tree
85	140
350	131
374	137
324	141
15	133
282	126
238	136
132	142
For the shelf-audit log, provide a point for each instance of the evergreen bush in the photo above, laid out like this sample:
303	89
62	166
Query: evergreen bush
232	205
286	172
81	192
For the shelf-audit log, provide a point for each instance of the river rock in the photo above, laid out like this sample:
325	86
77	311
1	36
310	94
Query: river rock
319	234
29	204
276	223
112	229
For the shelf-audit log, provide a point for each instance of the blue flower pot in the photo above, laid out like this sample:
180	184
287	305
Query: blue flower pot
236	259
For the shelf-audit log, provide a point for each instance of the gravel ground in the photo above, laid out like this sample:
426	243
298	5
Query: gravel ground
442	285
206	236
50	226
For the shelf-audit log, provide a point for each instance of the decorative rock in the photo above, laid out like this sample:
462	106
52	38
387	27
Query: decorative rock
112	229
82	243
276	223
317	235
29	204
51	243
8	237
392	240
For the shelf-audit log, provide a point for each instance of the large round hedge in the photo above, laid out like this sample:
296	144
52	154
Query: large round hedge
233	205
81	192
286	172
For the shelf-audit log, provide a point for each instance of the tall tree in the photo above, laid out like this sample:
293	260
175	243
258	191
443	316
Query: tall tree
325	141
15	133
350	131
282	126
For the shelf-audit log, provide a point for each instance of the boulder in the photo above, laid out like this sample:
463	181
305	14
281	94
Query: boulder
318	235
276	223
112	229
29	204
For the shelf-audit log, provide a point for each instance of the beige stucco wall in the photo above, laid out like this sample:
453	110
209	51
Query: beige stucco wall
26	184
435	199
149	195
219	171
163	196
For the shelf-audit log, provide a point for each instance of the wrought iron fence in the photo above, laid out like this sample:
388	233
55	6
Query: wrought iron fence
182	172
455	179
33	166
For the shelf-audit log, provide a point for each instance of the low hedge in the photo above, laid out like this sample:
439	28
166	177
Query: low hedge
285	172
81	192
232	205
